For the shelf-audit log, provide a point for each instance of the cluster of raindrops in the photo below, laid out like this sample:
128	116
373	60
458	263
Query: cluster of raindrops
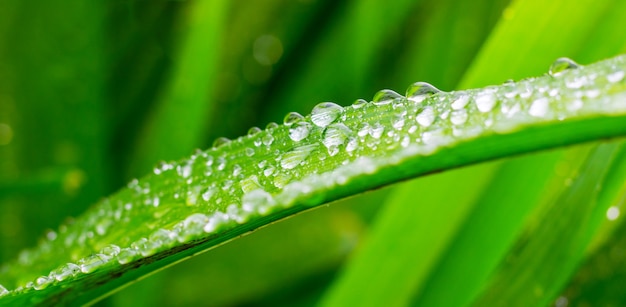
296	163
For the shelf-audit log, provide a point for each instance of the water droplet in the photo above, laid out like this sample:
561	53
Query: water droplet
460	102
193	226
249	152
42	282
426	117
485	102
539	107
560	65
236	170
184	170
215	222
299	131
612	213
574	82
376	130
221	141
254	131
292	118
458	117
384	97
250	184
352	144
267	139
335	135
127	255
296	156
271	125
325	113
616	76
359	103
3	291
419	91
257	201
269	171
110	250
93	262
66	271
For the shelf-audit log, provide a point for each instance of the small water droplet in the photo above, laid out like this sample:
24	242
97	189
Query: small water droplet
184	170
426	117
269	171
460	102
560	65
359	103
335	135
271	125
376	130
323	114
299	131
249	152
221	141
93	262
236	170
539	107
110	250
458	117
296	156
615	76
66	271
419	91
384	97
42	282
254	131
250	184
292	118
3	291
352	144
267	139
612	213
485	102
192	226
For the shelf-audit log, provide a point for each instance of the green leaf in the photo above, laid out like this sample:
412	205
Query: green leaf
189	206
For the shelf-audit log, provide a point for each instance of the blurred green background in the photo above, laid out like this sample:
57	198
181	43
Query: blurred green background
93	94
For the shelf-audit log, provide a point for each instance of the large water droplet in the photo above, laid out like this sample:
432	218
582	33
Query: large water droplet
419	91
292	118
299	131
426	117
325	113
296	156
560	65
3	291
383	97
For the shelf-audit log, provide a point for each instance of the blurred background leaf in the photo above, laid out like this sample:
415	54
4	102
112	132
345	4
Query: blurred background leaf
94	94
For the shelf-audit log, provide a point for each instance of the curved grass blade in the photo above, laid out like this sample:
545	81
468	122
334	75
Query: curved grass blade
189	206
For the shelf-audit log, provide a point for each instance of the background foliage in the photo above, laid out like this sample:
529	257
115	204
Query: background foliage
95	94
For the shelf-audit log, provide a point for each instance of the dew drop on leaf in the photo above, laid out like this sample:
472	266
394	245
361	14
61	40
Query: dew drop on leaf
221	141
384	97
335	135
419	91
359	103
323	114
426	117
296	156
292	118
3	291
254	131
299	131
485	102
616	76
560	65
